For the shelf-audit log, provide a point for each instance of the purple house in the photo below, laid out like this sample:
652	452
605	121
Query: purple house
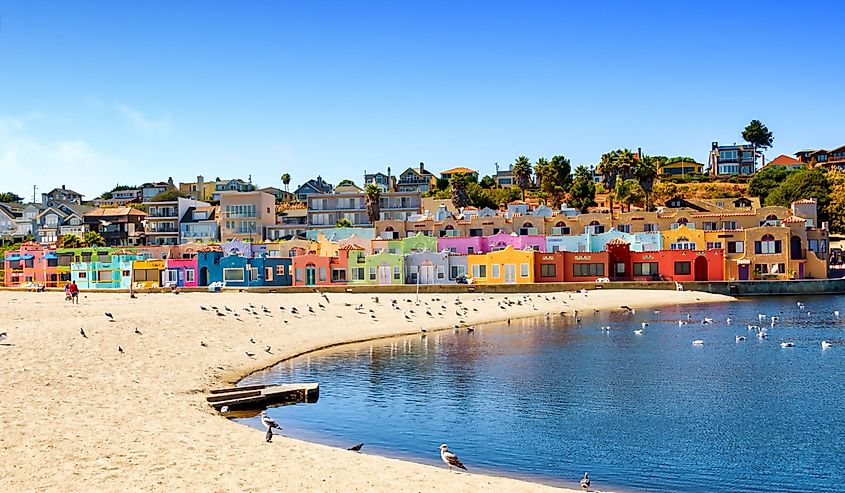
240	248
501	240
461	244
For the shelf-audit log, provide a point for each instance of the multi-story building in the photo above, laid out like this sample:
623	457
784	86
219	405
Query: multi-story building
163	218
199	224
7	222
279	194
62	193
449	173
416	180
386	182
732	160
246	215
61	218
119	198
679	166
150	190
326	210
311	187
119	226
291	221
832	159
504	178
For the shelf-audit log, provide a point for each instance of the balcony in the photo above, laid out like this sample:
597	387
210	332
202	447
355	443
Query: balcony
162	214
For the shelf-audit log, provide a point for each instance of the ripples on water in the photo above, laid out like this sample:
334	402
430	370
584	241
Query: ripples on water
548	400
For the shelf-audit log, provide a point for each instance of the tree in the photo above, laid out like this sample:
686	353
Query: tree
10	197
582	193
168	196
93	239
766	180
758	135
70	241
285	180
459	184
663	191
608	168
343	223
372	196
522	174
554	178
836	207
629	192
346	182
645	172
803	184
487	182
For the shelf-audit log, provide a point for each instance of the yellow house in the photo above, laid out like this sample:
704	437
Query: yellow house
506	266
684	238
679	167
147	273
326	247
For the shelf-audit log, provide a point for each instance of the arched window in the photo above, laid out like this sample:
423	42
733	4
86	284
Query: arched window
449	227
771	217
768	238
767	245
527	225
682	243
594	223
560	224
389	229
771	220
560	229
683	220
595	228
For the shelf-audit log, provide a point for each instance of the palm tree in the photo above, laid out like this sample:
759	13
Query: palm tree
286	180
460	196
372	196
522	173
582	193
608	168
645	172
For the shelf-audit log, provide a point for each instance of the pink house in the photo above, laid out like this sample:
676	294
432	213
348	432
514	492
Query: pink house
502	240
181	272
33	263
461	244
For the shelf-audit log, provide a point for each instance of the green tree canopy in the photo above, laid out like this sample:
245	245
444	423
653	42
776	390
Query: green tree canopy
582	193
459	184
757	134
10	197
343	223
629	192
93	238
487	182
346	181
836	207
168	196
766	180
70	241
554	178
803	184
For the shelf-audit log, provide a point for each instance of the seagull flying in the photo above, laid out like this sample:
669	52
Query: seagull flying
450	459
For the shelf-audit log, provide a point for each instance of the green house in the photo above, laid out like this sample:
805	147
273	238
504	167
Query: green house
384	268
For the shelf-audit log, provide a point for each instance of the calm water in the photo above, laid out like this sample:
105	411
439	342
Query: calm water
548	400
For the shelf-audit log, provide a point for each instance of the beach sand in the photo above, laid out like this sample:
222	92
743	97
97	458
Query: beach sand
77	415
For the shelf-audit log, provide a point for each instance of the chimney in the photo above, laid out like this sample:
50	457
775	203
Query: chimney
422	168
63	187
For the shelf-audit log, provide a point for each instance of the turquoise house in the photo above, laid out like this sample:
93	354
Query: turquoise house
107	272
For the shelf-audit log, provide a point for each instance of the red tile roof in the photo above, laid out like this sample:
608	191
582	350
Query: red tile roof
794	219
784	160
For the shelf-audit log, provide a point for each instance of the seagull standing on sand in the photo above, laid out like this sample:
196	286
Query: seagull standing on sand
450	459
268	437
3	336
110	316
269	422
585	482
356	448
82	332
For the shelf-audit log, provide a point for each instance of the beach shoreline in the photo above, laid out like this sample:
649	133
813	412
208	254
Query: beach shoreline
83	415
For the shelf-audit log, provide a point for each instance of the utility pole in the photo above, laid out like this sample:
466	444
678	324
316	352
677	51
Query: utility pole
33	193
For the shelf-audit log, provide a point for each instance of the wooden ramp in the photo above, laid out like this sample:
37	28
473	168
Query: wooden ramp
255	396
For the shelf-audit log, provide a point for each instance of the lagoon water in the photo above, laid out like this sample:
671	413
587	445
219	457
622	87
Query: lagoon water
547	399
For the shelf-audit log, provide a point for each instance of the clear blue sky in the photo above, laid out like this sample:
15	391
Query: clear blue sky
94	93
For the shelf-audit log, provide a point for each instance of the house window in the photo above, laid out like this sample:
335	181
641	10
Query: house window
83	275
548	270
645	269
441	272
588	270
372	273
623	228
714	245
813	245
682	243
300	277
338	275
728	224
761	269
253	273
397	273
736	247
620	268
475	232
523	270
479	270
457	271
823	246
470	250
767	245
496	268
268	273
106	275
682	268
710	226
322	274
190	275
594	228
280	270
651	227
358	274
233	275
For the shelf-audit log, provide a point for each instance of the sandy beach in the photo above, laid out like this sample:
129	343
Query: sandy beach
78	415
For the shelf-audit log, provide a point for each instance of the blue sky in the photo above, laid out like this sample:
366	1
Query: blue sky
95	93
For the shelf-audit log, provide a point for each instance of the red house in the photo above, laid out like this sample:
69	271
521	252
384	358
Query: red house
667	265
570	266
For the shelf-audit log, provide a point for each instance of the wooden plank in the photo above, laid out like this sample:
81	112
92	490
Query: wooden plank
238	389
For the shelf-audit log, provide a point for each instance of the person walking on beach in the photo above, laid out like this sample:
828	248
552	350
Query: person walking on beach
67	291
74	292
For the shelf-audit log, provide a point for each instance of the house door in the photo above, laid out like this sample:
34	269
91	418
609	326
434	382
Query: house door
700	267
800	271
310	275
743	272
426	274
384	274
204	276
510	273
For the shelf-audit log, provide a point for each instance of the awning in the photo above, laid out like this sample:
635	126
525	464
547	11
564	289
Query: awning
27	257
13	258
51	256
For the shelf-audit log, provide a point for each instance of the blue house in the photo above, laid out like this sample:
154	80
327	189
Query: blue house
208	267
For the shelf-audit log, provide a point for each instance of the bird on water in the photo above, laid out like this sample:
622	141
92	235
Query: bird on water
585	482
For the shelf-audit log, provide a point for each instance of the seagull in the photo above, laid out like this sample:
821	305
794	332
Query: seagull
836	313
698	342
249	355
268	348
137	331
119	349
728	320
82	332
471	329
645	324
3	336
585	481
252	340
221	314
786	344
227	308
740	338
423	330
110	316
707	321
356	448
203	308
826	345
639	332
203	344
269	422
450	459
269	436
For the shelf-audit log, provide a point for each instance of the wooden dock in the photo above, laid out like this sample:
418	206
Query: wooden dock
256	396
